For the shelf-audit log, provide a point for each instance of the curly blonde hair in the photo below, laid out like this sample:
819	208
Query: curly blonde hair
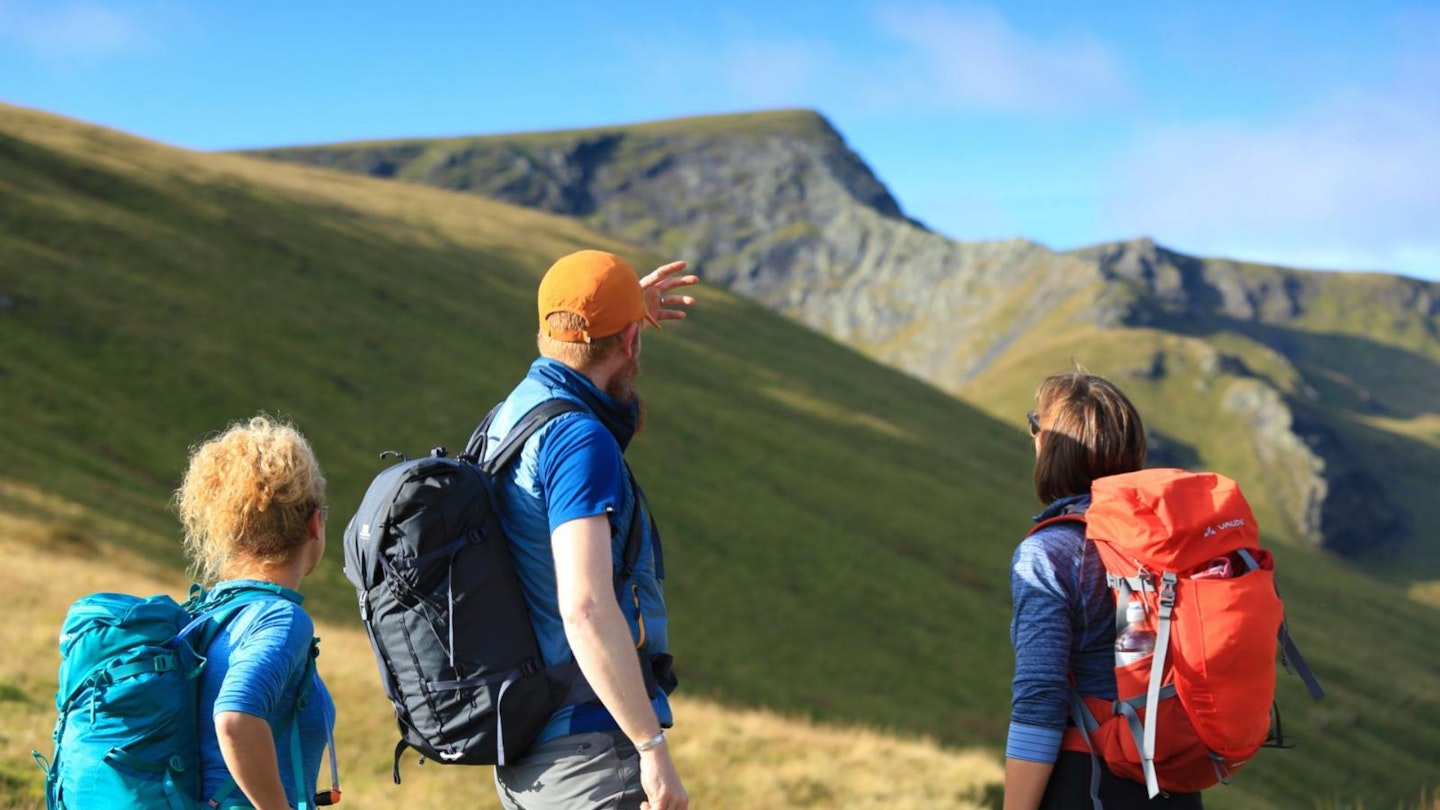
248	495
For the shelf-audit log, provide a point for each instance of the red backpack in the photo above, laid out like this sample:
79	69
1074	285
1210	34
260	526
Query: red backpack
1185	546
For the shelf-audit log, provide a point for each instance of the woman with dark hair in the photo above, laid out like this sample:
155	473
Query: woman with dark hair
1063	625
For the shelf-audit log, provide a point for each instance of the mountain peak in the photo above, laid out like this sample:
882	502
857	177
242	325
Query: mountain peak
786	168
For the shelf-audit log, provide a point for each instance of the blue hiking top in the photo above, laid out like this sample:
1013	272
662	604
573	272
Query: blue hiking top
1063	623
255	666
573	468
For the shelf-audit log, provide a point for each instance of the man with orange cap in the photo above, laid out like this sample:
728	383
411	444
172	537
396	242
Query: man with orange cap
571	510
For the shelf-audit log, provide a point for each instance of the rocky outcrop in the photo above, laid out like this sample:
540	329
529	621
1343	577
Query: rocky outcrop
1313	478
1295	471
777	206
1163	287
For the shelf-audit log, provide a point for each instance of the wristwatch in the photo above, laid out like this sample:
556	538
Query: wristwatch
653	742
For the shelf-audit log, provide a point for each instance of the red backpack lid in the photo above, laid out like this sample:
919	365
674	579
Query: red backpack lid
1170	520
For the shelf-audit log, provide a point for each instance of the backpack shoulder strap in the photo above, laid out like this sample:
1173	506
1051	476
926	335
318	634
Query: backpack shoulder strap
1067	517
297	763
475	448
514	441
511	446
212	613
630	557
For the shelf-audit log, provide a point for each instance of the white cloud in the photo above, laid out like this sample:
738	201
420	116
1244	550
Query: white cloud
1354	177
972	58
927	58
71	31
736	67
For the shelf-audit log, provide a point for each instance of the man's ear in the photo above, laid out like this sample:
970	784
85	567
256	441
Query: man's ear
631	340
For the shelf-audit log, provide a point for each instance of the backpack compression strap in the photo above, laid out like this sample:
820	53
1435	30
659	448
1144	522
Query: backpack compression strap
1289	653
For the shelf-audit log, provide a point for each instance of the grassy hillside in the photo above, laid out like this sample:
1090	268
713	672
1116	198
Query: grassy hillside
838	533
737	758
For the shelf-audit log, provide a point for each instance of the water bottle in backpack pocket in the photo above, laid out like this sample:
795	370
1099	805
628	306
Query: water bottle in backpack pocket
1136	641
1212	711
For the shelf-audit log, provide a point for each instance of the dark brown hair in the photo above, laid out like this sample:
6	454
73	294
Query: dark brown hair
1089	429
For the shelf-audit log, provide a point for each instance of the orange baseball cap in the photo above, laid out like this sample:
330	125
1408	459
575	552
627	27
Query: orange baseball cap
600	287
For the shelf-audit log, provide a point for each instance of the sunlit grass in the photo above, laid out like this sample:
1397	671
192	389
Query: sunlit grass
728	757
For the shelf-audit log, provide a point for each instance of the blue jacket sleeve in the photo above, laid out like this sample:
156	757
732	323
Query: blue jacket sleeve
1042	587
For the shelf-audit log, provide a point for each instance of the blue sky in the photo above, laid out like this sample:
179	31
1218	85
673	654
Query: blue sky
1298	133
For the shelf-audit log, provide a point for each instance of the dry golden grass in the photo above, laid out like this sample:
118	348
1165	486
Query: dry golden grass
729	758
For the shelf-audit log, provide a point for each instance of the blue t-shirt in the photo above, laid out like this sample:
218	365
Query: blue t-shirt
254	665
580	471
573	468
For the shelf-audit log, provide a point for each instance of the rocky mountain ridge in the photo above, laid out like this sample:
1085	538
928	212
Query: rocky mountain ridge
778	207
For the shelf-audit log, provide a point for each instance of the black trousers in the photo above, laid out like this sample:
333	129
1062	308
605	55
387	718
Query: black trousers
1069	789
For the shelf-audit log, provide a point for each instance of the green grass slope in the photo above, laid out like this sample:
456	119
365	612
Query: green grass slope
838	533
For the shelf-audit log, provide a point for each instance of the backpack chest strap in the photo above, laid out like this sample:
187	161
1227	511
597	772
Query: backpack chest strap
1116	582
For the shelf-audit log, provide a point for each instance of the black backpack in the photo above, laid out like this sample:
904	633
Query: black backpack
444	609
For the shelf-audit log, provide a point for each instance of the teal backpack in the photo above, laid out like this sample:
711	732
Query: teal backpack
127	735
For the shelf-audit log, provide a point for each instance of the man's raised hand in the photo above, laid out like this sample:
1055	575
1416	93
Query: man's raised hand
660	303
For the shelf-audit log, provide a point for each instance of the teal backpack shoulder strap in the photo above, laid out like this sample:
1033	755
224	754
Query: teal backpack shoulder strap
321	798
211	613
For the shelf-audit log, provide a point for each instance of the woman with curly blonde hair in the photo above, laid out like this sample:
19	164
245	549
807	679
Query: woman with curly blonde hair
253	507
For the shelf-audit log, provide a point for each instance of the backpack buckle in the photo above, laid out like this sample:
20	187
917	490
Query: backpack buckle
1167	593
530	667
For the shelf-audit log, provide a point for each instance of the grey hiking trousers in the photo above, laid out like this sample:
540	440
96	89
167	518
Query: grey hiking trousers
599	770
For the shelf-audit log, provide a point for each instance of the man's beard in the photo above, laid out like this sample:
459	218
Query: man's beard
624	387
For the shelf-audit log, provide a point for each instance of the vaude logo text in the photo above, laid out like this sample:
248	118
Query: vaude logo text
1229	524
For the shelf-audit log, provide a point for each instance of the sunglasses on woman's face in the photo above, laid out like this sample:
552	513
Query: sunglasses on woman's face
1034	419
